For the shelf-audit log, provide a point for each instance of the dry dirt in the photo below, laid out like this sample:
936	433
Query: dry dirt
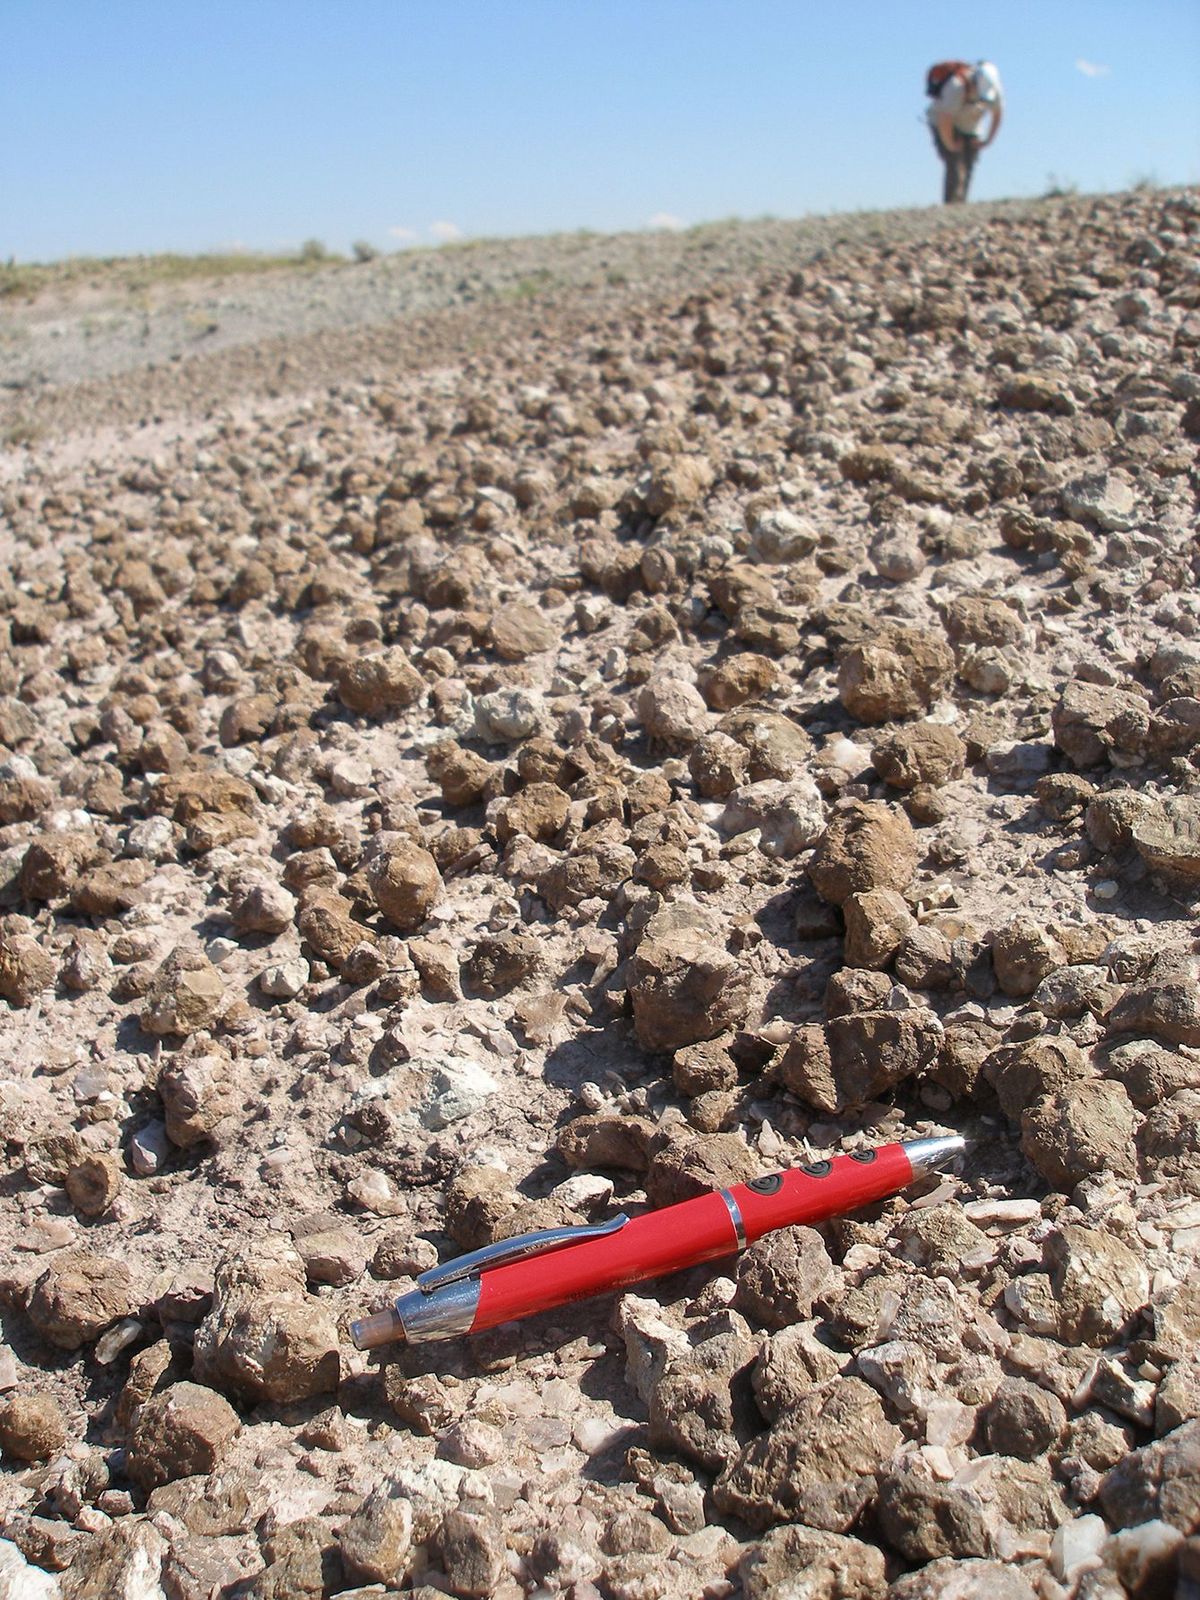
494	737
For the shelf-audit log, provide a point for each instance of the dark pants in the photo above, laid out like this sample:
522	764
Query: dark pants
959	165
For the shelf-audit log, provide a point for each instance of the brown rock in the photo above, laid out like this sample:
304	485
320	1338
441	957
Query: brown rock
1089	722
1037	391
780	1276
405	882
898	674
1170	1140
192	795
1160	1482
738	679
199	1088
866	846
185	994
1023	1072
518	630
462	775
877	923
379	683
264	1337
1088	1127
52	863
924	1518
606	1141
259	905
1167	837
1024	1420
376	1541
1168	1009
869	1052
684	984
673	713
682	1169
1023	953
109	890
500	961
327	925
181	1432
818	1461
94	1183
78	1296
471	1547
775	745
538	811
1099	1283
829	1566
927	752
32	1427
246	719
25	968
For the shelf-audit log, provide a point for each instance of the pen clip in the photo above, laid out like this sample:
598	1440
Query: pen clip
518	1248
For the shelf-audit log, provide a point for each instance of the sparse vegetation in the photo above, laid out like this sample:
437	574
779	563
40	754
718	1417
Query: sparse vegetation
133	274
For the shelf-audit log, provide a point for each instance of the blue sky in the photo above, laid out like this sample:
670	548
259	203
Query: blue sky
145	125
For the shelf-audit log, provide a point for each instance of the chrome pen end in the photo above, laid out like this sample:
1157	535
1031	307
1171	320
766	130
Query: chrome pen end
382	1327
931	1155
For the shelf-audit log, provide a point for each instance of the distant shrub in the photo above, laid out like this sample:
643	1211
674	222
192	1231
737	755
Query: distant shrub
1059	188
313	250
364	250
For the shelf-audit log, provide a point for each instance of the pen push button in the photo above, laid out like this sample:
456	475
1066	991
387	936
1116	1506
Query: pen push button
818	1169
770	1183
865	1156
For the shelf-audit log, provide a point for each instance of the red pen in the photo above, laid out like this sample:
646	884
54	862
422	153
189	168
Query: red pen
533	1272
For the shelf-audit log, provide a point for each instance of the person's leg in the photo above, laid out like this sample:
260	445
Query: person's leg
948	173
967	163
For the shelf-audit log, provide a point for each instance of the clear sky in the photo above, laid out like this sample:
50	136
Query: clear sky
143	125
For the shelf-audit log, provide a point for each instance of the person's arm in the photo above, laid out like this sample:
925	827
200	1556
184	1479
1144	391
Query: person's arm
997	113
947	132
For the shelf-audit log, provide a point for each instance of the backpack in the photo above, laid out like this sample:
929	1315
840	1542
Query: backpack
937	75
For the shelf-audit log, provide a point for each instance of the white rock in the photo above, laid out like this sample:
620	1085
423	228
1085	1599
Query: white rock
509	715
151	840
586	1191
21	1581
1002	1213
149	1148
460	1086
782	536
1076	1546
789	814
285	979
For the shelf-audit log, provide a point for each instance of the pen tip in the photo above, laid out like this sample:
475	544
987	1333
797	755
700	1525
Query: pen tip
931	1155
383	1327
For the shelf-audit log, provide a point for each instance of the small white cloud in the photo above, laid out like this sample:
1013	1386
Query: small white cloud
405	235
444	232
1092	69
665	219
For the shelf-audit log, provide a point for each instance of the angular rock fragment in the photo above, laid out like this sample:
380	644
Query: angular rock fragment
264	1337
867	845
185	995
79	1295
180	1433
685	985
1089	1127
900	675
1098	1281
817	1464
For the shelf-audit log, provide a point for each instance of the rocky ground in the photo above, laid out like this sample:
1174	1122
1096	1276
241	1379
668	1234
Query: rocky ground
653	712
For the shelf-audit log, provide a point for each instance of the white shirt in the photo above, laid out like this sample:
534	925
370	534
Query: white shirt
967	114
